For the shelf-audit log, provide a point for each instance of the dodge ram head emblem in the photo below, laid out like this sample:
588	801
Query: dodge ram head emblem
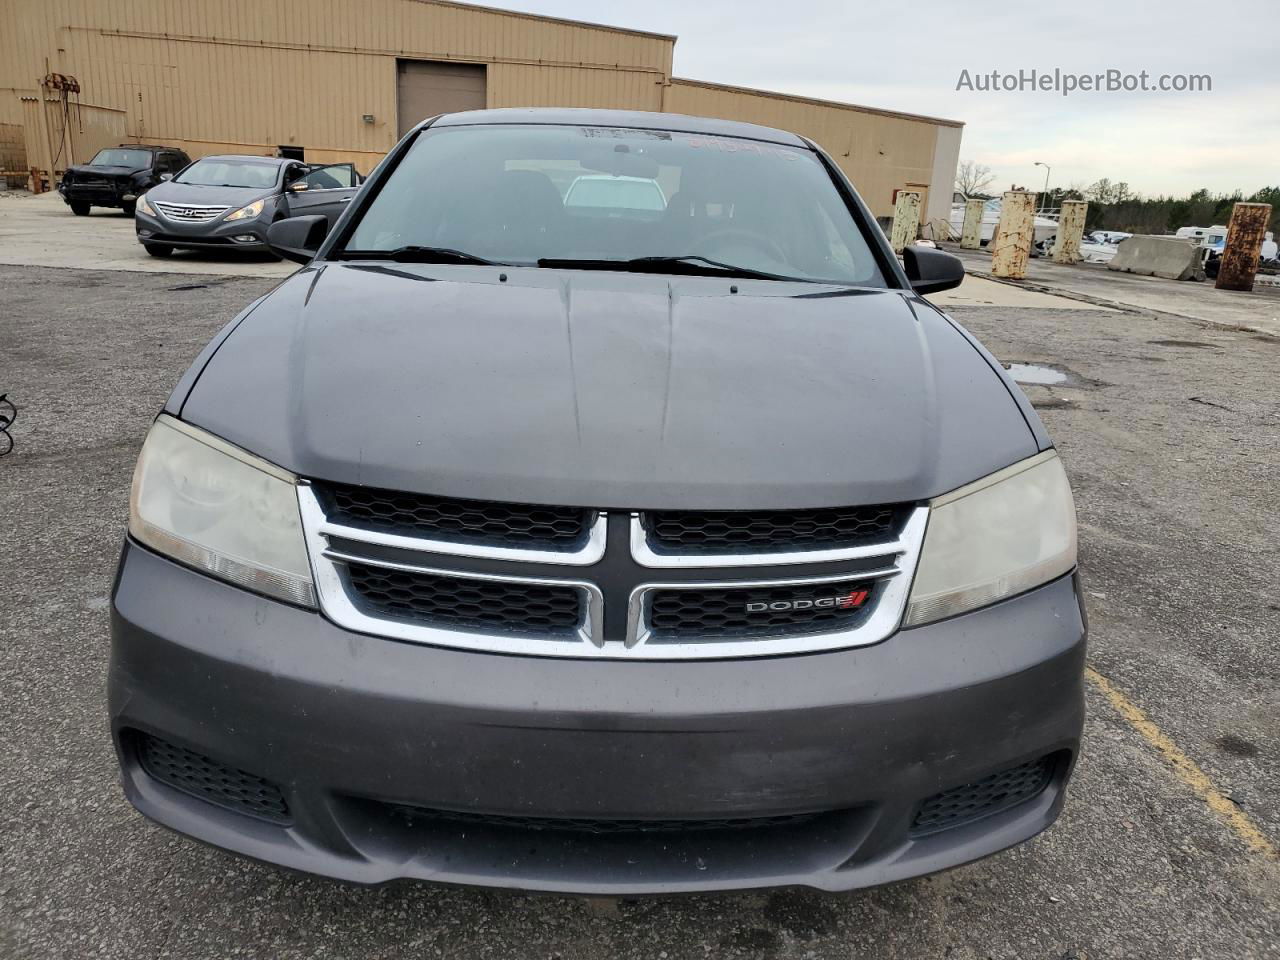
852	600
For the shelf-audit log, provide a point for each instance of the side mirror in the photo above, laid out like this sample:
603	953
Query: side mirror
931	270
166	176
297	238
298	186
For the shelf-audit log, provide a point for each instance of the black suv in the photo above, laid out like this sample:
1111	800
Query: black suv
117	176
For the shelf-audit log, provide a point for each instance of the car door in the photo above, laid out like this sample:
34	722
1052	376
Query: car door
323	191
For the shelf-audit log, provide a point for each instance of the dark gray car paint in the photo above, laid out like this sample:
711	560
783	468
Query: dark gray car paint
347	722
603	390
608	390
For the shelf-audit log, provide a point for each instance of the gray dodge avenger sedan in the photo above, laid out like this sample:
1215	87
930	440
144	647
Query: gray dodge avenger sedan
663	540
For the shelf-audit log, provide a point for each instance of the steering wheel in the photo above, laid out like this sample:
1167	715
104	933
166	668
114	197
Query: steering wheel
766	245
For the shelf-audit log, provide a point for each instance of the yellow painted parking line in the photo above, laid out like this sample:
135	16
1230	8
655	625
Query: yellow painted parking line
1185	768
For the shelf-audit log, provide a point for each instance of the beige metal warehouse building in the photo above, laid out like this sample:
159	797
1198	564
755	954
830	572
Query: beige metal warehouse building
341	80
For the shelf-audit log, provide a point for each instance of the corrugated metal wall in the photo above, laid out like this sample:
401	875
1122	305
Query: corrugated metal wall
246	76
249	75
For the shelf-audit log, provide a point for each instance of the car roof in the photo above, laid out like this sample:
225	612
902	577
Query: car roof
249	158
635	119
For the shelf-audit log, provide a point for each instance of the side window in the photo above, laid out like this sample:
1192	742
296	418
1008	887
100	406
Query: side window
333	177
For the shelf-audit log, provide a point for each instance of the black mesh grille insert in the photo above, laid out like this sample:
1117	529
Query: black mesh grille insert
586	825
207	779
478	521
992	794
463	601
681	615
766	530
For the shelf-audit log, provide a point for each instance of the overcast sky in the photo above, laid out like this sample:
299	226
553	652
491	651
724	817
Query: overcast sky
909	56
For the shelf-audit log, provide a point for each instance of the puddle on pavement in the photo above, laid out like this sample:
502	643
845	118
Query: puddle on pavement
1036	373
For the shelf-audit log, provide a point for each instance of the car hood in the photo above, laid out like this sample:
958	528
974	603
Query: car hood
104	170
170	192
608	390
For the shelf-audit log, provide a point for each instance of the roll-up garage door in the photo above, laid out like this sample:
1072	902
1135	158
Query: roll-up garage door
425	88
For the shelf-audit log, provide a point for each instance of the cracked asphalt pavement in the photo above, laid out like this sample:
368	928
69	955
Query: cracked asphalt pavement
1171	434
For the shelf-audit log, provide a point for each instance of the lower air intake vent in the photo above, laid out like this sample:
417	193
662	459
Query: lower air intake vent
583	825
464	601
992	794
207	779
680	615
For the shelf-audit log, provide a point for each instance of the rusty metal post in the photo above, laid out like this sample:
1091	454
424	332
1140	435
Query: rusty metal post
1011	246
971	232
1245	234
906	220
1066	248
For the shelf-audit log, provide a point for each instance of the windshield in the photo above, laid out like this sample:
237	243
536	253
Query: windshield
230	173
520	194
117	157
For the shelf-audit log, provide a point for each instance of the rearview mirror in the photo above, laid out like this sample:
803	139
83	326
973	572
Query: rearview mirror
297	238
166	176
931	270
298	186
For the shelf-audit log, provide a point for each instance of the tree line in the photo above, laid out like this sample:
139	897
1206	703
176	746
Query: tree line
1116	206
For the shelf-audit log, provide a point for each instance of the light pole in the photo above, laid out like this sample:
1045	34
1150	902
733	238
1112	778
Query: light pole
1047	170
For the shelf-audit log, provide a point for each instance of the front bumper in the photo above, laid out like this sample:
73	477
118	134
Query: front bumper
217	234
355	728
108	194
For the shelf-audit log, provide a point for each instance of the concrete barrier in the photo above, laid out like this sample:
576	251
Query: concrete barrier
1166	257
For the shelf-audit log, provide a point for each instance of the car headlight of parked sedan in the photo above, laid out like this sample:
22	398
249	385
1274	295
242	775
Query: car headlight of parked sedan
248	212
994	538
142	206
210	505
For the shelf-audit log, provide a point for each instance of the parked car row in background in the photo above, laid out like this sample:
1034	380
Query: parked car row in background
215	202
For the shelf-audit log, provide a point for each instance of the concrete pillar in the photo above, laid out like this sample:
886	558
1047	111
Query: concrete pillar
1066	249
971	232
906	220
1245	234
1011	246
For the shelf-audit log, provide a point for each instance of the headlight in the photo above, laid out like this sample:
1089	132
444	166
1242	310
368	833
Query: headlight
249	212
994	538
211	505
143	207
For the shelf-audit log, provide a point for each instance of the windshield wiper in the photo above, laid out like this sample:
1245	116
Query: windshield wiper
413	253
690	264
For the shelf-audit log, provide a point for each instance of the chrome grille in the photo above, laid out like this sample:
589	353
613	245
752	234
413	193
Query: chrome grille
477	521
740	531
708	613
492	577
465	602
188	212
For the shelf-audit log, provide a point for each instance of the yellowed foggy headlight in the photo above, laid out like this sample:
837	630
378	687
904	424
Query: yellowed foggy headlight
211	505
995	538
